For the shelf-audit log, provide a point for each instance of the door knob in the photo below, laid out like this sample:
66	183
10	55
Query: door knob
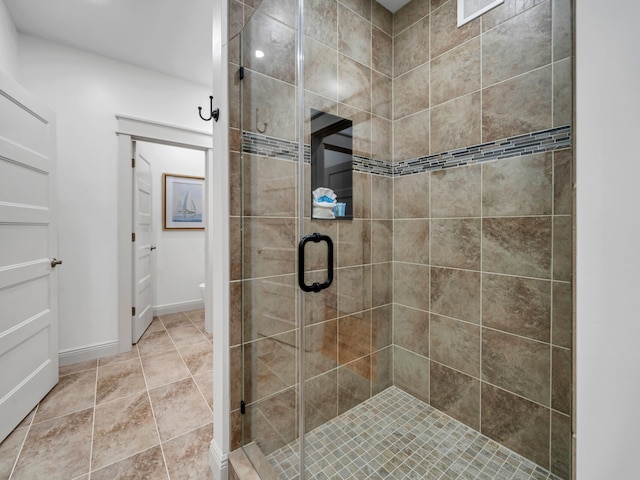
54	262
153	247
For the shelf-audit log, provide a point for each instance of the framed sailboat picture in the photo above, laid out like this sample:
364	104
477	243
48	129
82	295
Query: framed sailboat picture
183	202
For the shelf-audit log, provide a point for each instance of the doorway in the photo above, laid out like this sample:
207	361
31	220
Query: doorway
133	131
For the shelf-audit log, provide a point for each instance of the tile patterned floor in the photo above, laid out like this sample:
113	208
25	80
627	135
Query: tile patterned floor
143	414
394	435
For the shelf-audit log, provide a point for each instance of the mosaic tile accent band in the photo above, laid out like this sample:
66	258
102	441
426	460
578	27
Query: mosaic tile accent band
535	142
394	435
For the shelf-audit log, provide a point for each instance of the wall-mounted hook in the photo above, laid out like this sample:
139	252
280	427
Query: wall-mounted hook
264	129
215	114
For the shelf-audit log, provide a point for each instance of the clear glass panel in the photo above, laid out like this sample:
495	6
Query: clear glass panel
267	174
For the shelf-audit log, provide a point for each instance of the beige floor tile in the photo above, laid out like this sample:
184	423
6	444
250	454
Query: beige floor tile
57	449
188	455
179	408
185	335
205	384
156	326
197	317
163	368
155	342
198	357
119	380
9	449
122	428
174	320
148	464
73	393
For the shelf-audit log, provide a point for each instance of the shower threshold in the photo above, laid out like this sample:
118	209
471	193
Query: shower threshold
394	435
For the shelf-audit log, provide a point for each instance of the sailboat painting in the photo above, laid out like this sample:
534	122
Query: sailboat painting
183	202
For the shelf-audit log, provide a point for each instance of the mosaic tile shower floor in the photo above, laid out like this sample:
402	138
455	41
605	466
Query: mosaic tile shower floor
394	435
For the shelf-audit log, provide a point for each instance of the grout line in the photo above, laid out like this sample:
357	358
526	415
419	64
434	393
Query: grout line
553	209
24	441
93	419
481	265
153	413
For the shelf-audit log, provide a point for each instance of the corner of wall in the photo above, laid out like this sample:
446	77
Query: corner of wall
8	44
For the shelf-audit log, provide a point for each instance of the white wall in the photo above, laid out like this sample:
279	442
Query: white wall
8	43
608	239
179	257
86	91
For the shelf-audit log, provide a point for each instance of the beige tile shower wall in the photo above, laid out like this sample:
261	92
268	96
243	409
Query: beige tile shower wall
482	299
348	352
503	74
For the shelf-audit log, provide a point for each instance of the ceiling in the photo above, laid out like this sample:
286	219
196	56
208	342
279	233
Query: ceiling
167	36
393	5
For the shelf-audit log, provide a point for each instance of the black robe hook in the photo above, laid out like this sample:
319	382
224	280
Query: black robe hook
215	114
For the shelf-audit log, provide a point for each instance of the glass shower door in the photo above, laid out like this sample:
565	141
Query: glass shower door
345	329
264	235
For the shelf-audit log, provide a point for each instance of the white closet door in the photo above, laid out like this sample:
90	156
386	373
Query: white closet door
28	273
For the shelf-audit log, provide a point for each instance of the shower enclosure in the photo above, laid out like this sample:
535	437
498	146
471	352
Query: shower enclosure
442	346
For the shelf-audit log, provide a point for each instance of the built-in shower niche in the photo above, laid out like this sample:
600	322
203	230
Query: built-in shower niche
331	166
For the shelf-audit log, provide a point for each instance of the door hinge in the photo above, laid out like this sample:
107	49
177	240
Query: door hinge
133	237
241	73
242	407
133	163
133	311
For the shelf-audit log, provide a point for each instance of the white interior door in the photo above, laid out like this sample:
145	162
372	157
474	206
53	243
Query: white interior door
142	247
28	280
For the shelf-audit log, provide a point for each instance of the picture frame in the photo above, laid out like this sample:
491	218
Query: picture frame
183	202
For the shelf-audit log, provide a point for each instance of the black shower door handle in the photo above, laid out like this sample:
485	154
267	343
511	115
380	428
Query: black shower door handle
315	238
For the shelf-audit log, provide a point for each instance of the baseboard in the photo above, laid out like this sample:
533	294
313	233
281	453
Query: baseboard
218	462
89	352
177	307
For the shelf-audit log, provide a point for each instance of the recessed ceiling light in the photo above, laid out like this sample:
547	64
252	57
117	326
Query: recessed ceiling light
259	54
